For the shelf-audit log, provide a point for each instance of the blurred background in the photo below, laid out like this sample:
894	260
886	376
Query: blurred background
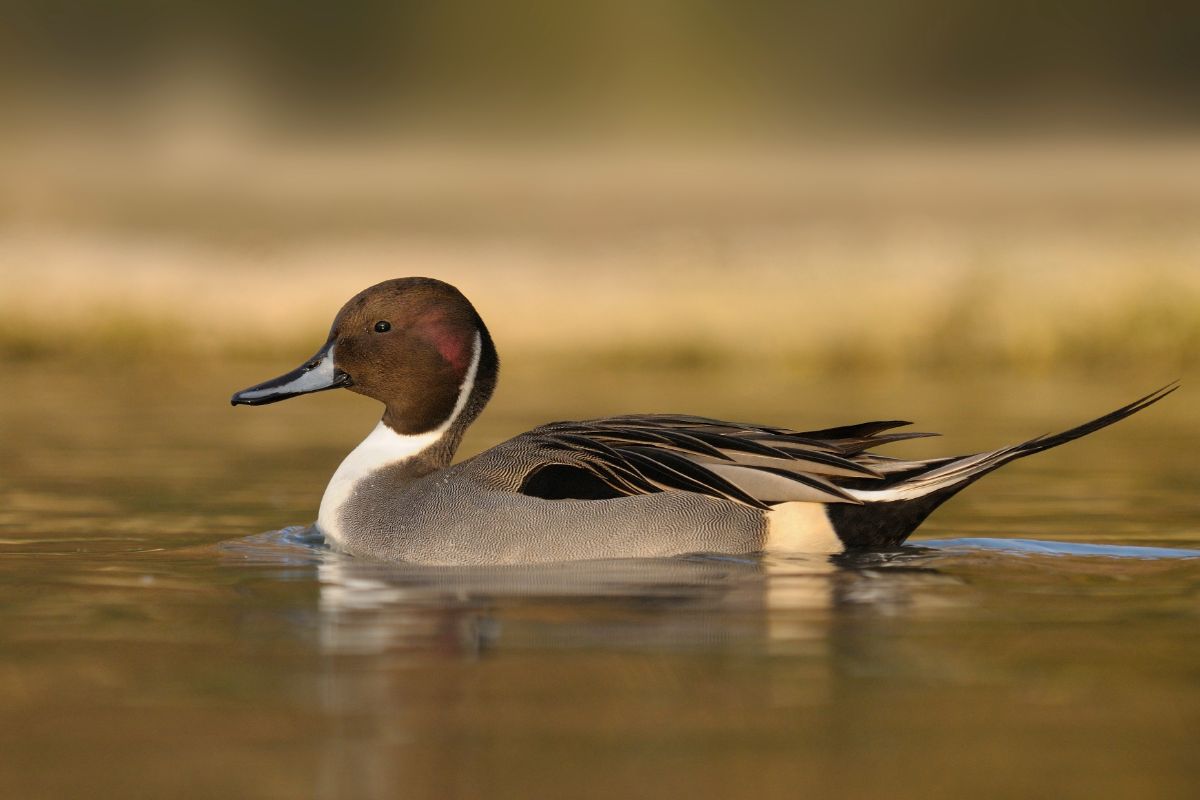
982	216
929	185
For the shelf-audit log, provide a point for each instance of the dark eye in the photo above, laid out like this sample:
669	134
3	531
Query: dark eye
383	326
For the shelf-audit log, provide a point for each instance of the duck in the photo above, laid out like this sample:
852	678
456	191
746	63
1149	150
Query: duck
630	486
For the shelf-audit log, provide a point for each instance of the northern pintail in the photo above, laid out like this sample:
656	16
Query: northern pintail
626	486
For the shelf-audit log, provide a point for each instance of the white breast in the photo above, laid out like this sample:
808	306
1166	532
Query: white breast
381	448
384	447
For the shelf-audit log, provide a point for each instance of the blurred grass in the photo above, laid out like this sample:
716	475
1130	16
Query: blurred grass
959	259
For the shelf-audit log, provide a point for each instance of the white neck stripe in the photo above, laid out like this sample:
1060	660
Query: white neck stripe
466	387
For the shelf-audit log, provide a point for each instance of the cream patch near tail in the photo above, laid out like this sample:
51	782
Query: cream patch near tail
799	527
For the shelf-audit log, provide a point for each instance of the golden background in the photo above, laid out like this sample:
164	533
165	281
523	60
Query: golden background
821	186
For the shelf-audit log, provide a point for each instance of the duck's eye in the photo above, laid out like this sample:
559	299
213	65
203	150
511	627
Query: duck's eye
383	326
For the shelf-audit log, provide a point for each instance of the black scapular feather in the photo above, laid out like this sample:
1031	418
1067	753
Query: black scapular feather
644	454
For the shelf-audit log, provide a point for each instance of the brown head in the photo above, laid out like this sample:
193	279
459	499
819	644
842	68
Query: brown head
414	344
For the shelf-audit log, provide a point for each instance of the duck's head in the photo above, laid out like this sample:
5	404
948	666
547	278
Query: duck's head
414	344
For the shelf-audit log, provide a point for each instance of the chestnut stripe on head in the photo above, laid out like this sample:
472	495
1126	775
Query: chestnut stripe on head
451	337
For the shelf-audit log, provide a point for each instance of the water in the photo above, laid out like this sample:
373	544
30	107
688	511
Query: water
169	628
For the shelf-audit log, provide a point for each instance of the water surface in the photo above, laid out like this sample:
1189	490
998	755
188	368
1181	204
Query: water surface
168	627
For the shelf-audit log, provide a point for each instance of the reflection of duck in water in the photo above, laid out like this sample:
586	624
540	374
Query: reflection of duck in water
641	485
714	602
416	659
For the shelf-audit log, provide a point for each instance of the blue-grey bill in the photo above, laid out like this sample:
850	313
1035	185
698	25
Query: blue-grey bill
316	375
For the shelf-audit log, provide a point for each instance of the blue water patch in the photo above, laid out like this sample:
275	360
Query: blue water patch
1048	548
305	545
293	545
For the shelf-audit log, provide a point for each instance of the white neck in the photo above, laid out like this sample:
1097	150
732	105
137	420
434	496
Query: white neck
384	447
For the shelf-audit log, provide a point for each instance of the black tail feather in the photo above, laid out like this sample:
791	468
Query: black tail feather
873	525
1054	440
888	523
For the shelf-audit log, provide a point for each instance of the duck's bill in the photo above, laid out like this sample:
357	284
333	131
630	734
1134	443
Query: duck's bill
315	375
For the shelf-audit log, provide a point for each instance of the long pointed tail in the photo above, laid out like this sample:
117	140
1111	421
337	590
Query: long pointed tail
890	513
